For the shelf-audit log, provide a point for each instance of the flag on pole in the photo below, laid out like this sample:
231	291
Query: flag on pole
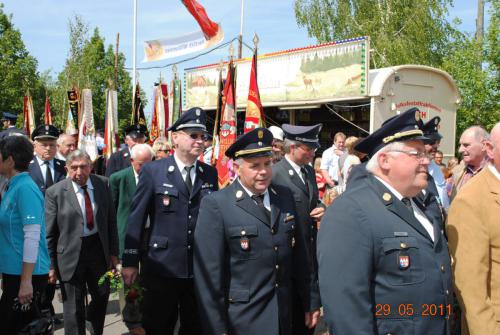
176	99
210	29
215	136
227	131
29	115
74	110
86	134
254	116
70	124
138	112
47	115
159	119
210	34
111	139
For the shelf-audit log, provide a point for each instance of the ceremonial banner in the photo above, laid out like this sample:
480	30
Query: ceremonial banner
74	107
86	134
211	33
138	112
111	139
70	124
227	131
160	118
47	115
29	115
215	142
254	116
175	93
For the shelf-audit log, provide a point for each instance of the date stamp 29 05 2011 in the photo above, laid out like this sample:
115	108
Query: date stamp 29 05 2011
409	310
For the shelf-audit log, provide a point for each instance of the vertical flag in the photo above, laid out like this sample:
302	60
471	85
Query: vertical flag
47	115
215	137
176	99
74	110
254	116
29	115
86	134
111	139
227	131
138	112
70	124
159	119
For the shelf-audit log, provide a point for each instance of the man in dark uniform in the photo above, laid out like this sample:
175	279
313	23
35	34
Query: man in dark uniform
170	191
9	125
248	247
45	169
120	160
384	266
295	173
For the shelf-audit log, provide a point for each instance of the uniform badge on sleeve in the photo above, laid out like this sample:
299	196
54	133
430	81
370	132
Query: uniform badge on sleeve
404	261
166	200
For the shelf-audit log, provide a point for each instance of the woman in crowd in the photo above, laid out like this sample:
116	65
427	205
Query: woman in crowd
161	148
320	180
353	158
24	259
448	175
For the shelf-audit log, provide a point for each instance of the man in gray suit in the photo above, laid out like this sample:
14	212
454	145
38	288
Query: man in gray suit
83	241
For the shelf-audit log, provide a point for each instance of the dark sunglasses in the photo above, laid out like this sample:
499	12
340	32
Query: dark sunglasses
195	136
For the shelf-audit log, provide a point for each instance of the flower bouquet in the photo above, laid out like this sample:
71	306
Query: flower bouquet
112	279
132	312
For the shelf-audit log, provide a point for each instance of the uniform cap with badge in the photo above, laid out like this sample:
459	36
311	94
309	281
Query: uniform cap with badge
45	132
255	143
194	119
136	131
6	116
431	128
309	135
403	127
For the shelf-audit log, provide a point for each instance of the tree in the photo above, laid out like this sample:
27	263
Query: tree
18	69
401	31
91	65
478	87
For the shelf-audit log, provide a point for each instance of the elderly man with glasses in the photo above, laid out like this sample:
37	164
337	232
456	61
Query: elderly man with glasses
169	191
383	261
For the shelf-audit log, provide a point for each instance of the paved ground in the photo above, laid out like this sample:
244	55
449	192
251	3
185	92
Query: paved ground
113	324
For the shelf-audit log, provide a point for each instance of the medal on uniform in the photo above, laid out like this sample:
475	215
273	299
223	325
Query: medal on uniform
292	241
403	261
166	200
244	243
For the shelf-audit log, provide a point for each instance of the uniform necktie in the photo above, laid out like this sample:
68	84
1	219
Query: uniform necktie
407	203
259	199
48	175
89	213
188	181
303	173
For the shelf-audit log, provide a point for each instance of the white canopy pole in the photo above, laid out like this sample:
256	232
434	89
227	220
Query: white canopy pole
240	37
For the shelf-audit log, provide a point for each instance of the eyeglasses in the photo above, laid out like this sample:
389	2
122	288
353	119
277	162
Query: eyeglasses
195	136
419	155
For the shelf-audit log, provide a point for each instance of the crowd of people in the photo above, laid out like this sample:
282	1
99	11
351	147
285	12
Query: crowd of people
378	235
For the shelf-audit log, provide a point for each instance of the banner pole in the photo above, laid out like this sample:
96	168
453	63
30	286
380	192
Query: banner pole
240	37
134	53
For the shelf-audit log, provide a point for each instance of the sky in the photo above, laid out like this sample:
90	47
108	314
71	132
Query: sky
44	28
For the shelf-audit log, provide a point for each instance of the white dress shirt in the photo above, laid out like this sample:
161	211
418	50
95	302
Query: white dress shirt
295	167
437	174
80	195
419	215
183	171
330	162
266	201
43	168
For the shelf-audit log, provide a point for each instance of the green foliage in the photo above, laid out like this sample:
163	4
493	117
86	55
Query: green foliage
401	31
18	69
91	64
478	87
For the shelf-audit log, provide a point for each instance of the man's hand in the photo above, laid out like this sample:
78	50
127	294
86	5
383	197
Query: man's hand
129	274
312	318
52	276
25	294
114	261
317	213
